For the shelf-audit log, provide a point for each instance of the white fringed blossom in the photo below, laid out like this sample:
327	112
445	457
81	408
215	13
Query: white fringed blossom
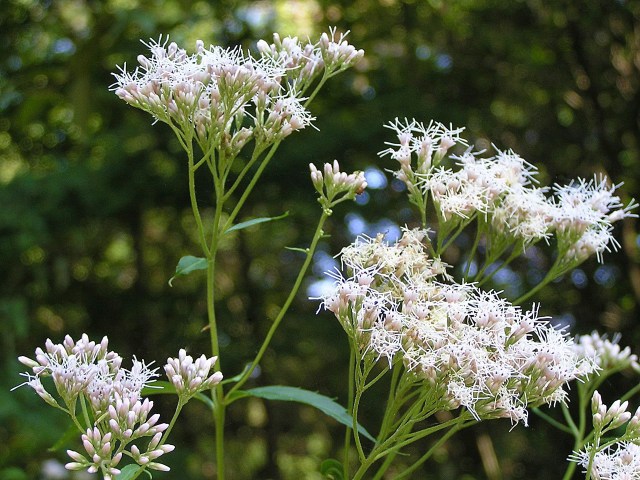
470	348
607	352
228	97
502	191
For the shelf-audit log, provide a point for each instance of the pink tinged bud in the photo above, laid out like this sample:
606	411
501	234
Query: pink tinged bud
155	441
116	459
144	61
161	427
158	466
167	448
152	455
104	451
154	419
76	456
75	466
324	41
214	379
92	469
28	362
142	429
135	451
88	447
114	426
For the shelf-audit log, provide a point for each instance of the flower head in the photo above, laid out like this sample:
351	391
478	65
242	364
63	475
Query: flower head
113	396
472	348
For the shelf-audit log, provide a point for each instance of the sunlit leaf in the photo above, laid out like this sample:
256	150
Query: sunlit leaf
189	264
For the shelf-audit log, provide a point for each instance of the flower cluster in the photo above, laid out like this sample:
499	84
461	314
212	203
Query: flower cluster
607	352
332	184
617	459
87	373
190	377
467	347
227	96
501	190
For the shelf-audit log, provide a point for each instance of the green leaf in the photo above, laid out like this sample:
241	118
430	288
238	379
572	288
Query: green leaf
322	403
254	221
332	469
129	472
189	264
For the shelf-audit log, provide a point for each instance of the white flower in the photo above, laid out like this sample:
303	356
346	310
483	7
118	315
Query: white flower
470	347
607	353
620	461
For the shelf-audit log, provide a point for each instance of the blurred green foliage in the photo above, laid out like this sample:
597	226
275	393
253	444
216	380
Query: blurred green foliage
94	210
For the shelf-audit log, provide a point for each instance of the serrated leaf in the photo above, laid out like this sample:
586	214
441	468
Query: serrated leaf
254	221
331	469
321	402
188	264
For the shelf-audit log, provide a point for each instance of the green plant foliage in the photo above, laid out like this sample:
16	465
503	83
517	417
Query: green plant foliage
321	402
93	196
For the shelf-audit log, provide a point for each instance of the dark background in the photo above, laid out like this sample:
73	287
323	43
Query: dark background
94	207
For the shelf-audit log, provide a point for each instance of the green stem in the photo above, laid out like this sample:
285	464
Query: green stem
256	153
194	203
552	421
554	272
165	435
292	294
250	187
217	393
472	253
354	413
516	252
456	428
347	436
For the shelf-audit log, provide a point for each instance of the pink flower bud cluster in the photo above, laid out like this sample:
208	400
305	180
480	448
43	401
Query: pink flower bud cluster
330	183
502	190
470	348
113	396
305	62
190	377
619	459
